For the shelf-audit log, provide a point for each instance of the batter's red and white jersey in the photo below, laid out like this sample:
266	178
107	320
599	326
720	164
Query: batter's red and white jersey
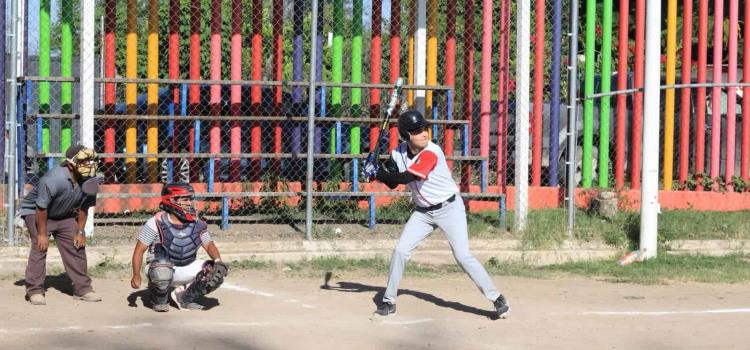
435	184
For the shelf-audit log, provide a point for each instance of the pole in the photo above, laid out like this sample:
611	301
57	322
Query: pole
87	88
651	97
572	110
311	122
522	113
12	127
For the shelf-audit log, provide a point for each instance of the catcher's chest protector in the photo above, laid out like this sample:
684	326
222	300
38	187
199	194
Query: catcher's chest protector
181	241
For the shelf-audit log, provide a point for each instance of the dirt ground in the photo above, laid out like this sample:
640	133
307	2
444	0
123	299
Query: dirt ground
275	310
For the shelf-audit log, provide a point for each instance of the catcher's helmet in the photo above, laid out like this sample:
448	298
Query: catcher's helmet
170	192
409	121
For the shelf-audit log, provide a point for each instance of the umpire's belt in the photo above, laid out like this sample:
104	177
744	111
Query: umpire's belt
436	206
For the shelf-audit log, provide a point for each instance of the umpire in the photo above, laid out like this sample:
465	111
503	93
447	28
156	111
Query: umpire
58	206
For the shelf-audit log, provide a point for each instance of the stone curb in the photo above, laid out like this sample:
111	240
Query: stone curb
432	251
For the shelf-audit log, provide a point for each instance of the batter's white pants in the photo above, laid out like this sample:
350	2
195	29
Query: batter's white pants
451	218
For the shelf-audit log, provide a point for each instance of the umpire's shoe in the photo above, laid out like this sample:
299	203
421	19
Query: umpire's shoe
502	308
386	309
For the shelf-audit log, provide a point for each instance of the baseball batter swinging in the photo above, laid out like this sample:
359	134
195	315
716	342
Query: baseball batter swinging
420	164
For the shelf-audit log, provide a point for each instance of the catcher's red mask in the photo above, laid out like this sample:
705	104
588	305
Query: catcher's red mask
171	195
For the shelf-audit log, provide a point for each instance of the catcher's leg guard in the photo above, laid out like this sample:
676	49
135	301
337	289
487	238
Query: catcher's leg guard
160	273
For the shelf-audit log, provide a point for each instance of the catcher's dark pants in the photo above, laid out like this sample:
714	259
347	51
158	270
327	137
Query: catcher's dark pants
73	259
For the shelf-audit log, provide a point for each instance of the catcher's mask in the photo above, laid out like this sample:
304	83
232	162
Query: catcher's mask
83	160
170	195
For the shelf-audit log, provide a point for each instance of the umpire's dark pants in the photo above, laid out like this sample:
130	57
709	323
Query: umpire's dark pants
73	259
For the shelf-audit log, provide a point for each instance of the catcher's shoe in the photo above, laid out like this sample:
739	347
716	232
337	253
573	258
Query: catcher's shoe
502	307
37	299
161	307
177	296
386	309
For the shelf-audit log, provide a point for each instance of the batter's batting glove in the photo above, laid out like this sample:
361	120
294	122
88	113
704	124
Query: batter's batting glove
370	168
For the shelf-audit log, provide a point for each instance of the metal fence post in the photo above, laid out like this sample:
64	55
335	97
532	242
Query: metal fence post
311	122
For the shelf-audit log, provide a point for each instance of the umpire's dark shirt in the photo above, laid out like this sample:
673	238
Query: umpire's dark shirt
57	193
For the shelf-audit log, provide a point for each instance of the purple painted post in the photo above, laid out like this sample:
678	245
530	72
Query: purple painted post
319	76
298	13
554	121
2	86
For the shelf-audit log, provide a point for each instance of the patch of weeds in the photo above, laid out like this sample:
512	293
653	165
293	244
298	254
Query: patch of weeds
325	232
107	265
484	224
397	211
250	264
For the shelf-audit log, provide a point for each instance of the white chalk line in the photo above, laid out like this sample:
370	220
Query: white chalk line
665	313
238	288
73	328
37	330
405	322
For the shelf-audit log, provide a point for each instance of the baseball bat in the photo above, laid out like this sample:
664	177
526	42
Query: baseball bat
395	94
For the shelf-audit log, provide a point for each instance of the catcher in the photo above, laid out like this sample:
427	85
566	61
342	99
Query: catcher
420	164
172	238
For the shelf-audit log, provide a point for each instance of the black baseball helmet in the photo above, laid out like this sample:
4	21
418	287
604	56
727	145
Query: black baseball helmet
409	121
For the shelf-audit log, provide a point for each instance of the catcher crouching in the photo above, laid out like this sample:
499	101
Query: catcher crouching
172	238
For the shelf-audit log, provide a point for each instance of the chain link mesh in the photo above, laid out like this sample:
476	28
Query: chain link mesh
214	93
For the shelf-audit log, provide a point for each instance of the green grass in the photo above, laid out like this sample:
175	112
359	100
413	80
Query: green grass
661	270
692	224
664	269
548	227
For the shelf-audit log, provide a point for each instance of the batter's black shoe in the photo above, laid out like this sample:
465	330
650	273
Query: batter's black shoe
386	309
502	308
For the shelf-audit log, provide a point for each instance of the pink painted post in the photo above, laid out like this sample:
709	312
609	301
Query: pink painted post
235	98
485	85
716	93
731	91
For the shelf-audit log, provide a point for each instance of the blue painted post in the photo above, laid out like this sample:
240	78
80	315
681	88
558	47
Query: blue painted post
466	140
372	212
434	126
355	175
211	174
224	213
449	105
183	100
338	137
24	102
484	175
503	211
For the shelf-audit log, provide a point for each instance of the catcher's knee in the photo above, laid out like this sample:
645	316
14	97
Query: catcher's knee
160	274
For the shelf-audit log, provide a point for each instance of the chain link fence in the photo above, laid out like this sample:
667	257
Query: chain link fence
216	93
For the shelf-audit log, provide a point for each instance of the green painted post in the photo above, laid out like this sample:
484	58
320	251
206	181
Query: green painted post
44	69
603	168
588	105
66	70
